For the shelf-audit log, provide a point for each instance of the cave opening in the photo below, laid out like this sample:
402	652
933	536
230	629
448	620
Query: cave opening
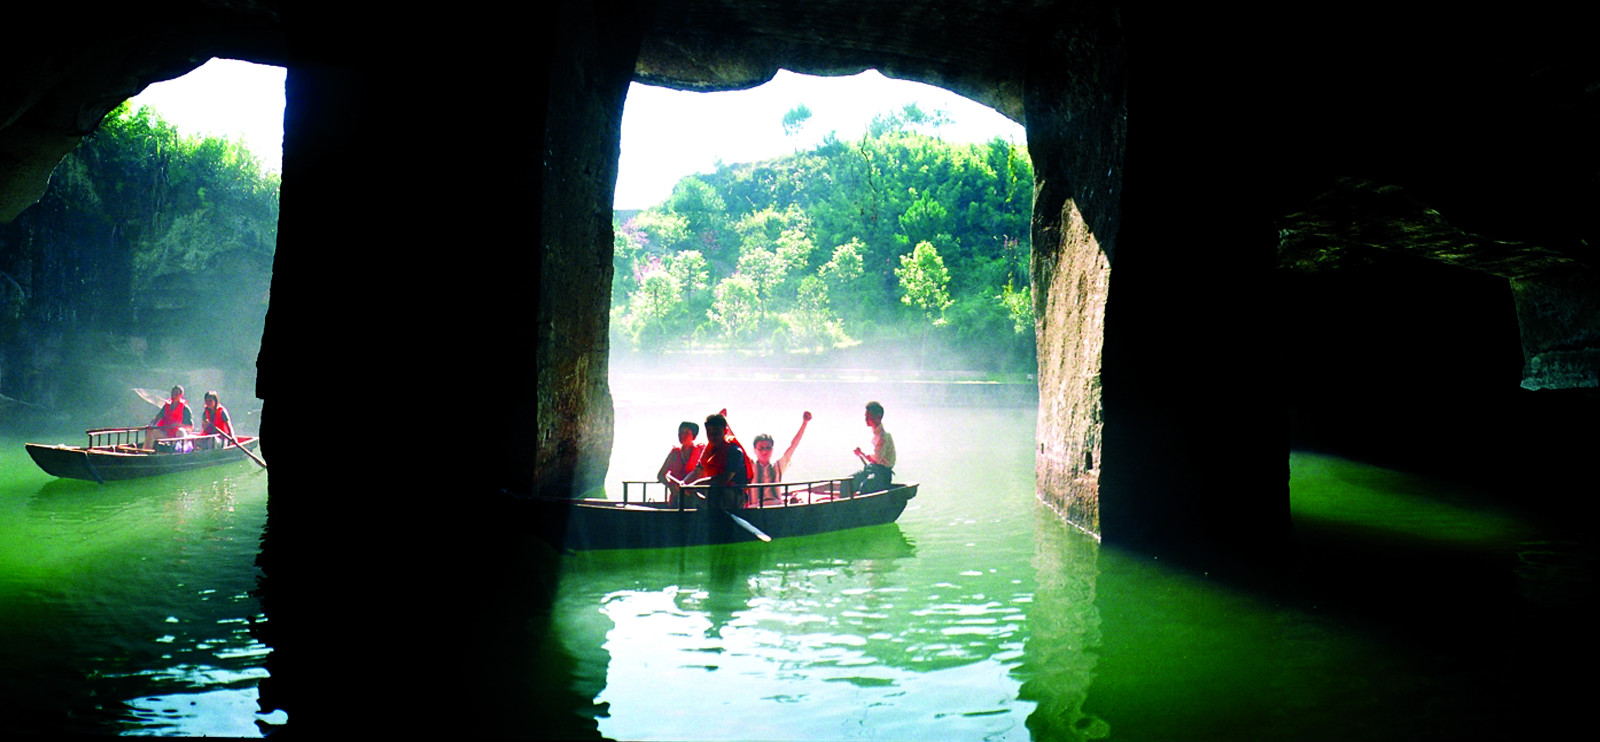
816	171
147	260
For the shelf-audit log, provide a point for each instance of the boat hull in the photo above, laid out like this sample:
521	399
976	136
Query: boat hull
76	462
589	524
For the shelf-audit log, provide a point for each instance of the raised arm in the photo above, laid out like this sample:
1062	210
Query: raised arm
788	452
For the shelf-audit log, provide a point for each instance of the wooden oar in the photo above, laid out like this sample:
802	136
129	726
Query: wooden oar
748	526
247	452
150	396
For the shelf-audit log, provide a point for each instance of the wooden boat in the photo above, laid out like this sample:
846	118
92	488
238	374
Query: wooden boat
649	517
116	453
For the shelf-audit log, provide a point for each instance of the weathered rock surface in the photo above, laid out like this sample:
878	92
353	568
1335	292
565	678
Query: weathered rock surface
64	67
1182	156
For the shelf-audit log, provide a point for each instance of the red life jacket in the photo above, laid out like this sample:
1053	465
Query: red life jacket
749	463
714	460
171	415
216	420
681	465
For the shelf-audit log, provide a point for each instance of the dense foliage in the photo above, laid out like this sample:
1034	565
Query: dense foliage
896	239
147	247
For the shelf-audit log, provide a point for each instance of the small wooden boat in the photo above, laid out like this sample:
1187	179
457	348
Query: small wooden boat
117	453
648	516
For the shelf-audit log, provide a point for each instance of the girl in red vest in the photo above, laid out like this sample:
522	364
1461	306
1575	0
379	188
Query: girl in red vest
214	419
680	461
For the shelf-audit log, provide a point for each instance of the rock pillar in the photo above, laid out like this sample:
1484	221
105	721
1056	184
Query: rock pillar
1161	427
439	286
1075	112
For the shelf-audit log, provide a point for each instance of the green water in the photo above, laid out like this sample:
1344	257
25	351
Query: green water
125	608
1407	608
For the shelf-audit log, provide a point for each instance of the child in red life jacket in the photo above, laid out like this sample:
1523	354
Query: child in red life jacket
214	419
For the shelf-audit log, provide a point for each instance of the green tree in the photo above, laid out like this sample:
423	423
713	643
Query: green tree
627	249
145	232
811	324
689	268
765	271
908	117
796	119
878	198
1019	305
663	231
923	279
653	308
843	277
706	216
734	309
925	220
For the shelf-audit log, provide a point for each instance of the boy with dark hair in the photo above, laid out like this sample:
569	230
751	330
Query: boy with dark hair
768	471
878	467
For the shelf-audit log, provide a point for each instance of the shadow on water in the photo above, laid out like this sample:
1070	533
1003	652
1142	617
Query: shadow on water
124	608
1404	609
1407	609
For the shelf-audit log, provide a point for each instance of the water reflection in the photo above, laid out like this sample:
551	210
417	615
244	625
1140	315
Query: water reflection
1065	632
828	637
1405	610
917	630
126	607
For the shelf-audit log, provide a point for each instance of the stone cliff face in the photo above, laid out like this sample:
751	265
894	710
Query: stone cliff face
1232	226
63	68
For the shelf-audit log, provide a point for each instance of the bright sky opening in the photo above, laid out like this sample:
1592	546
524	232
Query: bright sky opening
666	134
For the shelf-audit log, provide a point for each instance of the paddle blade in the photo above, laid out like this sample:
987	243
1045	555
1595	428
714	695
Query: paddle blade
748	526
155	398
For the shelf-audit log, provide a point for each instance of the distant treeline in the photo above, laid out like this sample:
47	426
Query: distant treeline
147	244
898	238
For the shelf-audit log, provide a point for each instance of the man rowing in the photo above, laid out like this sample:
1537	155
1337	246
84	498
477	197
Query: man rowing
173	421
723	464
878	469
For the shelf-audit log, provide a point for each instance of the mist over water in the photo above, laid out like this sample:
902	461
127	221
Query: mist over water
914	630
652	396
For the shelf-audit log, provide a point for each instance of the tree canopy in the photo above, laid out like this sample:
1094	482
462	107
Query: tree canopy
142	233
876	240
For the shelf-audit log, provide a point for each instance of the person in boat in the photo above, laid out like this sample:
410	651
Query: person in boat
214	420
767	470
879	465
175	420
724	465
681	460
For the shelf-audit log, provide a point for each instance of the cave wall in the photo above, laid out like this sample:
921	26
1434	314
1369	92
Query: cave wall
435	340
64	67
1171	150
1075	105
